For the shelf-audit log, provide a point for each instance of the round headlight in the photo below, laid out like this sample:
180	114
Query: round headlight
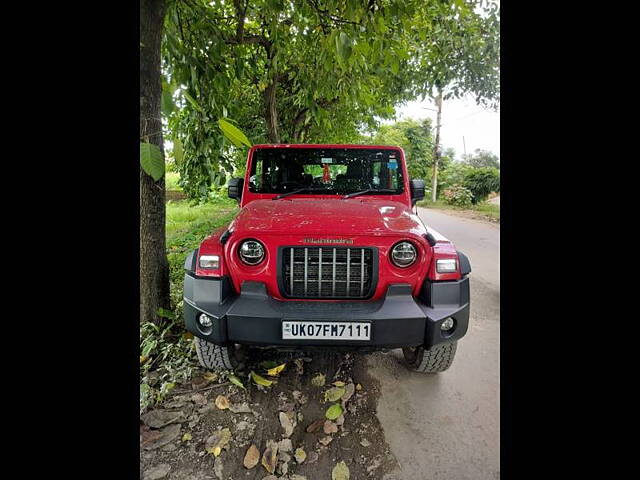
251	252
403	254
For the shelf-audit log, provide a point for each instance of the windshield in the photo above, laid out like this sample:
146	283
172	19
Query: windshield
335	171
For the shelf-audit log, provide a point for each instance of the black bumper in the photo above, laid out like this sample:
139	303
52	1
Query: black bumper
255	318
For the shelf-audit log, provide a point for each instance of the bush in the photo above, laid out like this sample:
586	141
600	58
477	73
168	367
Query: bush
458	196
481	182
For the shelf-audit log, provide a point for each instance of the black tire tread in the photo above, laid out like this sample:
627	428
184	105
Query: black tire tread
434	360
214	357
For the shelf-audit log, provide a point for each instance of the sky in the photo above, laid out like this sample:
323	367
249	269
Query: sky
479	126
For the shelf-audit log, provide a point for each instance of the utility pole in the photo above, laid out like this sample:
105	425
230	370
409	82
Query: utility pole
464	146
436	150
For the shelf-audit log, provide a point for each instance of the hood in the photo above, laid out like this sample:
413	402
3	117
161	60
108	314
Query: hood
328	217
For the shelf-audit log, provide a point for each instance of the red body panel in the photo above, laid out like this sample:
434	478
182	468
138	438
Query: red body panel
373	220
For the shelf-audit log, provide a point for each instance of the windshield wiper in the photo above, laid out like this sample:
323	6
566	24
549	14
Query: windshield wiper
368	190
299	190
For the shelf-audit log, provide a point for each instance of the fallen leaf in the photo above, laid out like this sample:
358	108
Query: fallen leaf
300	455
318	380
236	381
275	371
217	468
365	443
210	376
358	387
222	402
334	394
299	366
240	408
267	364
339	383
334	411
326	440
158	472
285	445
252	457
260	380
269	456
159	438
349	391
330	427
315	426
186	437
340	420
161	418
287	422
143	358
340	472
216	442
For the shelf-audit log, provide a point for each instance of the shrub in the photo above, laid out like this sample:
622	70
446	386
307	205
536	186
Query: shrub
481	182
458	196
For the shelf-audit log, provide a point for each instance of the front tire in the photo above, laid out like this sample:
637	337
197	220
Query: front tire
434	360
216	357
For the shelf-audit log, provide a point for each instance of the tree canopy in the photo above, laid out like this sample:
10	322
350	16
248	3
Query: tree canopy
312	71
482	158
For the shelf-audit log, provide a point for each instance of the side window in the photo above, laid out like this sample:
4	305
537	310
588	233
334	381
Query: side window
255	180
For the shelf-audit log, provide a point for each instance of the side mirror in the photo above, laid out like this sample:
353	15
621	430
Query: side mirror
417	190
234	188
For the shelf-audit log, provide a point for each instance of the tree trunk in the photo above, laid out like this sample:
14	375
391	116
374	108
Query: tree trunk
154	268
436	150
271	112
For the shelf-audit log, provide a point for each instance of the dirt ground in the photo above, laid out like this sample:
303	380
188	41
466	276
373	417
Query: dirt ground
166	452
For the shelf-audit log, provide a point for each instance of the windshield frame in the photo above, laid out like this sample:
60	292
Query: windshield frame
402	196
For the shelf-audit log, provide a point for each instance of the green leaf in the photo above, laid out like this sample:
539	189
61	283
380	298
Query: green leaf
260	380
178	151
192	101
151	160
236	381
267	364
340	471
334	411
233	133
164	313
334	394
343	46
167	103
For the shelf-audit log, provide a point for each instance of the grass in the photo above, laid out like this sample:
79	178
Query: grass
171	182
485	209
166	350
187	225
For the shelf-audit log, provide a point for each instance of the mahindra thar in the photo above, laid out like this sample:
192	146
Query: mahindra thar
326	253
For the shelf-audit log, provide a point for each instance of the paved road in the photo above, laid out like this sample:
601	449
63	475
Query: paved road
447	426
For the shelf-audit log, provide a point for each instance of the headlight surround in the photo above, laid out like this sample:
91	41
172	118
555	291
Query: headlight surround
251	252
210	262
446	265
403	254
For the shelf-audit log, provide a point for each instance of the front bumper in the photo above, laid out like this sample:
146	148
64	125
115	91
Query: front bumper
255	318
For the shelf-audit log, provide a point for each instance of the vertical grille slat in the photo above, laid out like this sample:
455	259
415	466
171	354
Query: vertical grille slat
333	269
312	272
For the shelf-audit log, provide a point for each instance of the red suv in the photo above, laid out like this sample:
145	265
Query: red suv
326	253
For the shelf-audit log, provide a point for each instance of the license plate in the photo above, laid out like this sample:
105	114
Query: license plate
326	330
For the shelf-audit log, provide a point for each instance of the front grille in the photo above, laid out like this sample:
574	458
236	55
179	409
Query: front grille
327	272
